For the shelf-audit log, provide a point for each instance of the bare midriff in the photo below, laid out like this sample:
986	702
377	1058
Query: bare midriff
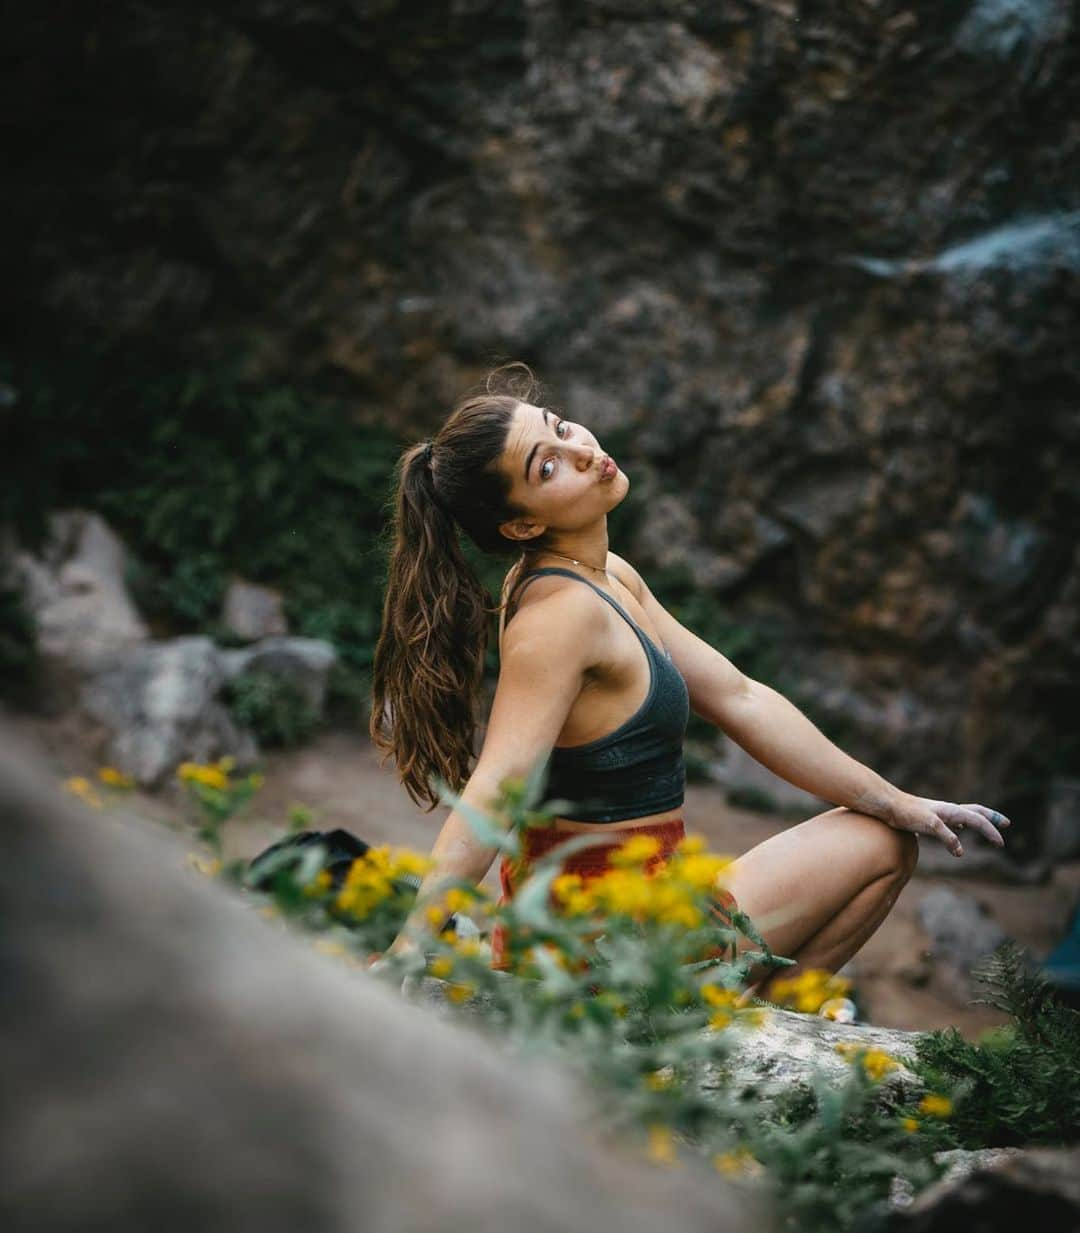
569	824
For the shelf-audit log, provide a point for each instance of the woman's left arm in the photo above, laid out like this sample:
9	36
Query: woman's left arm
777	734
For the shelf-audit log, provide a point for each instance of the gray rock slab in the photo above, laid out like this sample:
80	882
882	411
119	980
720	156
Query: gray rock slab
252	611
159	702
173	1061
304	661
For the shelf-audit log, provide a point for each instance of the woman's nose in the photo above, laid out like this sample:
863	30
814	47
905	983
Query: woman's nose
586	456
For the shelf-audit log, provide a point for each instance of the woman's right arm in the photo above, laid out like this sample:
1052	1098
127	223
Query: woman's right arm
547	650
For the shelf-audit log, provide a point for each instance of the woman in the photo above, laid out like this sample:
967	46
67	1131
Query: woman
596	673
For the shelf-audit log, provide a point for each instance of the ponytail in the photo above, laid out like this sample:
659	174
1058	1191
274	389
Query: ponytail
429	659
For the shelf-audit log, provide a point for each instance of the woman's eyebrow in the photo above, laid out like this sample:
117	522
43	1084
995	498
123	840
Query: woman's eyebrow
528	461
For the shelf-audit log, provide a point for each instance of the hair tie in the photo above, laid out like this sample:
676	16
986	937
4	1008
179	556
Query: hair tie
428	450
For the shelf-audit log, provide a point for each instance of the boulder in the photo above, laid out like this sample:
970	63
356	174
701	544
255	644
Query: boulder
75	590
158	703
961	932
251	611
786	1050
306	662
996	1191
1061	839
172	1060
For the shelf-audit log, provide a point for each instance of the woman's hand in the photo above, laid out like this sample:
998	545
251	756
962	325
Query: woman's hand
942	820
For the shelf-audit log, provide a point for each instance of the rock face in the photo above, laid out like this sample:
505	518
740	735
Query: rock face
252	611
161	702
76	592
997	1190
160	706
785	1050
960	929
172	1061
813	277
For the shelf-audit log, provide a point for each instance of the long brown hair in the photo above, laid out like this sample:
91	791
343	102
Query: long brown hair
429	659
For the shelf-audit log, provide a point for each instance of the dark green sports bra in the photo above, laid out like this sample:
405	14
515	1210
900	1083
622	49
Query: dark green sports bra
638	769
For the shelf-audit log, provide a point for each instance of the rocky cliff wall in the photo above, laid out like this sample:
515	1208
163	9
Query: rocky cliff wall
816	268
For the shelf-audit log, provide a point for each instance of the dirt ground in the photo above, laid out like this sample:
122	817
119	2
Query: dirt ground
899	983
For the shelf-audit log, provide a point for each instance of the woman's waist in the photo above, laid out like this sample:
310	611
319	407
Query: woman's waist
571	825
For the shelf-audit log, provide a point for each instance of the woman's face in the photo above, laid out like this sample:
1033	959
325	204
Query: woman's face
559	474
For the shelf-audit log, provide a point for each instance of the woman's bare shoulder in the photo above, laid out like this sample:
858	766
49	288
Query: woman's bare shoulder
556	610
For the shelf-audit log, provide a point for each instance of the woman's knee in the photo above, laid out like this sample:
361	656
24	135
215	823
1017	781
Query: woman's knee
896	851
901	850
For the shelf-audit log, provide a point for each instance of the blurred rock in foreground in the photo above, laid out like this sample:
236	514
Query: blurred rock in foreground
170	1062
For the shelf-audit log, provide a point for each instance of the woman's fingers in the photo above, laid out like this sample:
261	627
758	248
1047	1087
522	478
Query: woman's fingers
960	816
998	819
939	830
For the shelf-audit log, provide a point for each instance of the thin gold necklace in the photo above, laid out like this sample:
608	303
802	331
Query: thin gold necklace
550	552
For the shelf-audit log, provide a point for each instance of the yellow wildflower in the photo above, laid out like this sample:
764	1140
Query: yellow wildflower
877	1064
441	967
411	863
716	995
81	787
691	845
209	869
807	991
467	948
226	764
320	883
209	776
934	1105
115	778
661	1144
740	1162
566	884
658	1080
458	900
459	993
910	1124
636	851
702	871
435	915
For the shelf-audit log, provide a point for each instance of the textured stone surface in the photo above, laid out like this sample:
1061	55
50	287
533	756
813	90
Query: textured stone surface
159	703
997	1191
960	929
305	662
252	611
810	273
170	1060
785	1050
76	592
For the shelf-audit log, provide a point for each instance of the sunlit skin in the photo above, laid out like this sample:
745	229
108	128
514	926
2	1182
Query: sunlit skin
572	670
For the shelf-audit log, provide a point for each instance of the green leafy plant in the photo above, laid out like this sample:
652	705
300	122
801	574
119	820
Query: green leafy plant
273	707
1020	1085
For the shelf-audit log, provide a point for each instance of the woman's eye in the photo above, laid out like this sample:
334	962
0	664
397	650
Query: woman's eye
544	472
560	426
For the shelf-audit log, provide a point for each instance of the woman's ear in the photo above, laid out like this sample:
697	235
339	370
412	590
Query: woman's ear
521	529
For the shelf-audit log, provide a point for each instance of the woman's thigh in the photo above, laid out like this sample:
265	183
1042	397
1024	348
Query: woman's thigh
792	884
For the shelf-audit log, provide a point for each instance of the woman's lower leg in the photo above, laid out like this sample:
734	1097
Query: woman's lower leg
831	946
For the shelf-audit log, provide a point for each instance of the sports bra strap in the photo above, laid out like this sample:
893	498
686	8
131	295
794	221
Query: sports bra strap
532	574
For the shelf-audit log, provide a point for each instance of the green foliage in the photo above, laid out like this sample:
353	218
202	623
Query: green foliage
1020	1085
832	1151
18	656
271	706
206	474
